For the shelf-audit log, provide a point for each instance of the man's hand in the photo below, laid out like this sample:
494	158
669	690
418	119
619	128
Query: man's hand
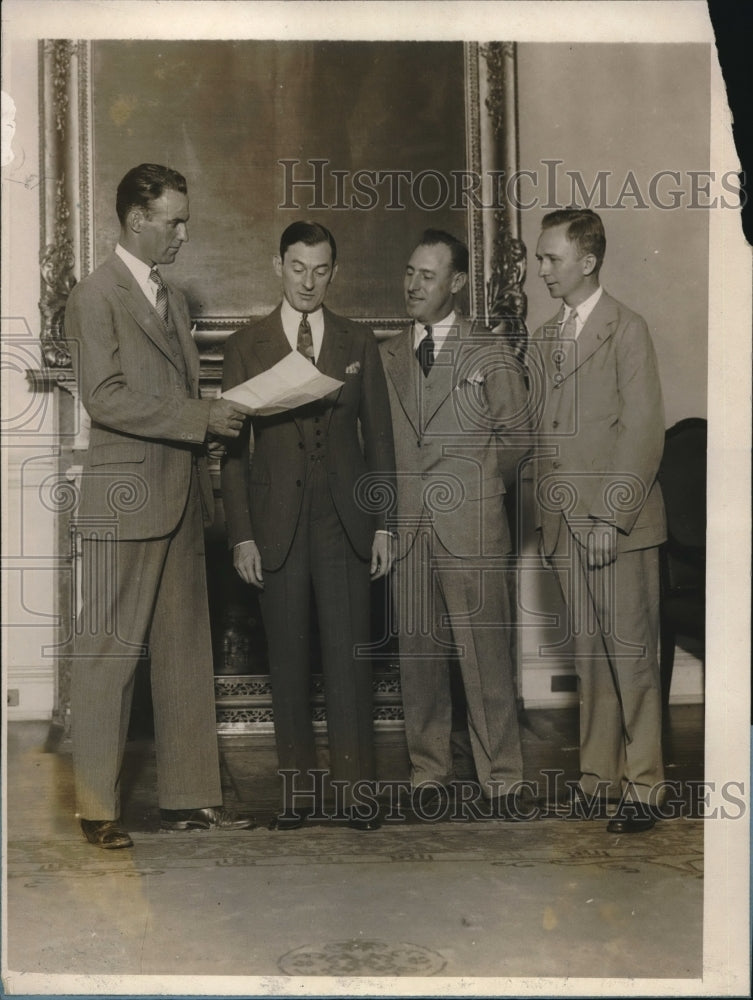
225	418
247	562
599	544
216	449
382	554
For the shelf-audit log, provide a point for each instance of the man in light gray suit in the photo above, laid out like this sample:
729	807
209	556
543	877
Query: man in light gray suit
459	415
145	497
600	512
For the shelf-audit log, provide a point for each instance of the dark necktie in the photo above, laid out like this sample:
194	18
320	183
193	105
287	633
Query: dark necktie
161	303
425	352
305	340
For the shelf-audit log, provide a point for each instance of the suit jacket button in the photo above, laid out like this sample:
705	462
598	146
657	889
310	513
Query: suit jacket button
300	444
555	423
418	444
298	482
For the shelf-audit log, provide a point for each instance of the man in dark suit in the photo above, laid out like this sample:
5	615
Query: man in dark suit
459	413
145	497
600	510
295	518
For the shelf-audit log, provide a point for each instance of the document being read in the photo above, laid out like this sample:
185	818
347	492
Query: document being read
292	382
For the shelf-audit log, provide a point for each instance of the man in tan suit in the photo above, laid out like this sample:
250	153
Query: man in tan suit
145	497
459	415
600	512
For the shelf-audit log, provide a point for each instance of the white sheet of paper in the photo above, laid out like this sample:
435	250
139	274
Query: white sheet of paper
292	382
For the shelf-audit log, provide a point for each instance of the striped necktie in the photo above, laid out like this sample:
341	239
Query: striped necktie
305	343
161	302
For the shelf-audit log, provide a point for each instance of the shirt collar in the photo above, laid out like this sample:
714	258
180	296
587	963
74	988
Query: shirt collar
138	268
291	315
585	309
440	331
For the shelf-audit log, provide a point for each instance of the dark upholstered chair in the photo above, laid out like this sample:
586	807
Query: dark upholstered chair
682	476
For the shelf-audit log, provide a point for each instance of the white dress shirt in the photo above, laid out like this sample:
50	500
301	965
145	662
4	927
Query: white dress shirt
584	310
140	272
439	332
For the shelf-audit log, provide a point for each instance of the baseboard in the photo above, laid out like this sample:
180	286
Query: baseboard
554	685
29	693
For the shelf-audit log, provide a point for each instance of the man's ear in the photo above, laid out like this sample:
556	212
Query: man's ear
277	265
459	280
135	219
589	263
334	272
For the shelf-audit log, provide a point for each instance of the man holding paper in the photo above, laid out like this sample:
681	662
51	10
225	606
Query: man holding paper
145	498
296	505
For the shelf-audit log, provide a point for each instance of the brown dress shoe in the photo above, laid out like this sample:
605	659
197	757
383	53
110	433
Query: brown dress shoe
105	833
210	818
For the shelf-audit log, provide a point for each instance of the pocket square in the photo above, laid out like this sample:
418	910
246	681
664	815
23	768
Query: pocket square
474	381
353	369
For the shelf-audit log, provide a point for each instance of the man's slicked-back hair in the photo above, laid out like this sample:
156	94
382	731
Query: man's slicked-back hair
458	249
308	233
143	184
584	228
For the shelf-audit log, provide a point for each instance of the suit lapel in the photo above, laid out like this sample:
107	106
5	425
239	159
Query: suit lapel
333	355
270	343
398	362
448	366
597	329
182	323
138	306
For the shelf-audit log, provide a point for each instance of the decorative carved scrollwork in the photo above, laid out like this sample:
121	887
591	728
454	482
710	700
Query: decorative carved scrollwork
57	257
57	262
505	255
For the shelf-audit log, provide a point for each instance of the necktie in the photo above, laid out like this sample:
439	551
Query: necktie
563	345
161	303
425	352
305	340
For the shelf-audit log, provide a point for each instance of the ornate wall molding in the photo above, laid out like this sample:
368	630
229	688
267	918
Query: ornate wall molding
504	255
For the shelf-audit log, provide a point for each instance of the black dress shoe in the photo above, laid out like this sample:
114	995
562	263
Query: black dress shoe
105	833
638	821
577	804
290	820
364	825
512	808
210	818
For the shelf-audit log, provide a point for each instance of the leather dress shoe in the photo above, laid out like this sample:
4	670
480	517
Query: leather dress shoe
634	818
291	820
577	804
210	818
364	825
512	808
105	833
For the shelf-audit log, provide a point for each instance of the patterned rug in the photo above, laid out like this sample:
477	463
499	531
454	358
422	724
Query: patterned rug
676	845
